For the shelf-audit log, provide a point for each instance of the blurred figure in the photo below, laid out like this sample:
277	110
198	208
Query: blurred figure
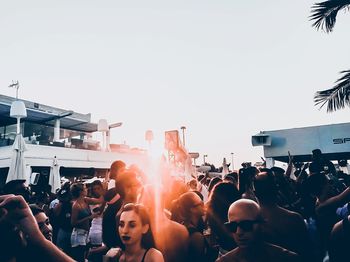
245	220
113	205
339	241
192	185
176	189
62	213
233	178
320	164
95	232
246	178
80	220
17	187
126	191
222	196
170	237
202	186
116	168
327	202
191	209
213	182
281	227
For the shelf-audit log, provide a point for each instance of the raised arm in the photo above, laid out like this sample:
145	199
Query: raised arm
290	165
18	212
335	202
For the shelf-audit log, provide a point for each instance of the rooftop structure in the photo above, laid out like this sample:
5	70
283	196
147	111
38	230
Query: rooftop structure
62	136
333	140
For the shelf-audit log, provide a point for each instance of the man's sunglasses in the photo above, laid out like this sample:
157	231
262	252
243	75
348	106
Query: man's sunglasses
245	225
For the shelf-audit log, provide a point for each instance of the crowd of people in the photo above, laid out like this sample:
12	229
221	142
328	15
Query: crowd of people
255	214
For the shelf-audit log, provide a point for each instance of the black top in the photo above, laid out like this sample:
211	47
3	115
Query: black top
109	225
64	218
144	255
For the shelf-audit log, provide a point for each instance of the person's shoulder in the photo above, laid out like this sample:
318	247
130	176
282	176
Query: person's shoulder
76	205
292	216
229	256
177	227
154	254
281	253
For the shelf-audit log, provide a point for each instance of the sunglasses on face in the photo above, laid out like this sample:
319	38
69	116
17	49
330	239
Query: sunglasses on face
245	225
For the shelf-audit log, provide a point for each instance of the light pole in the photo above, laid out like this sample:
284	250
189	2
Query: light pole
204	156
232	161
183	134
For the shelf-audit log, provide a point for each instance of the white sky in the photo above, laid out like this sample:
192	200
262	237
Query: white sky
225	69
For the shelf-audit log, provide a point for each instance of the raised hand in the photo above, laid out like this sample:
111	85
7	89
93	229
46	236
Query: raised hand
16	210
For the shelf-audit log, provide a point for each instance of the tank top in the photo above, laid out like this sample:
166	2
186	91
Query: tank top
144	255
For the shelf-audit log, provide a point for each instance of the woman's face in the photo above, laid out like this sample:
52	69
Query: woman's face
131	228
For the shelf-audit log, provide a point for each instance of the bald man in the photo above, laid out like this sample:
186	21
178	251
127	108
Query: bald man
245	219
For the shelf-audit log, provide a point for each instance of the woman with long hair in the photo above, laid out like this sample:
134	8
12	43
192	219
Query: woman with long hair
80	220
220	199
136	235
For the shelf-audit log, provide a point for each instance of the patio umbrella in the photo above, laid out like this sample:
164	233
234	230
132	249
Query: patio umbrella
55	178
18	167
224	168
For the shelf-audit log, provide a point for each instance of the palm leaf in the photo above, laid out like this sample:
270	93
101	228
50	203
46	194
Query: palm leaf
336	97
324	14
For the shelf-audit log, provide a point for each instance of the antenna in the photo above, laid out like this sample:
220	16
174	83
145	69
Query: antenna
15	85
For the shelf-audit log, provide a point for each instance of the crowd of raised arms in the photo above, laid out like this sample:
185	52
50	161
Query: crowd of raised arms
255	214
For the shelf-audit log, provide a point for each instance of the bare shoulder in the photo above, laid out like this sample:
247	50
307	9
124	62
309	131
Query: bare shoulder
293	217
154	255
231	256
76	205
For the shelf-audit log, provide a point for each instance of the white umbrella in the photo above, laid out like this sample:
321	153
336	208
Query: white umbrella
55	178
224	168
18	167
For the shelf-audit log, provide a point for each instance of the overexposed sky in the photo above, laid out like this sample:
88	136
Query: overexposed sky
225	69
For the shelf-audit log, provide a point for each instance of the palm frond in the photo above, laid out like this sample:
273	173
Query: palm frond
324	14
336	97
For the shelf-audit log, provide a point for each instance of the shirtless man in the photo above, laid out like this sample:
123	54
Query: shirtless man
245	219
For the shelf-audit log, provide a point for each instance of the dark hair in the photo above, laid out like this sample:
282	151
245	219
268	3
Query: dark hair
220	199
317	152
42	196
17	187
115	167
315	183
246	177
232	177
36	209
76	189
213	182
147	240
199	194
125	180
63	194
265	186
96	183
